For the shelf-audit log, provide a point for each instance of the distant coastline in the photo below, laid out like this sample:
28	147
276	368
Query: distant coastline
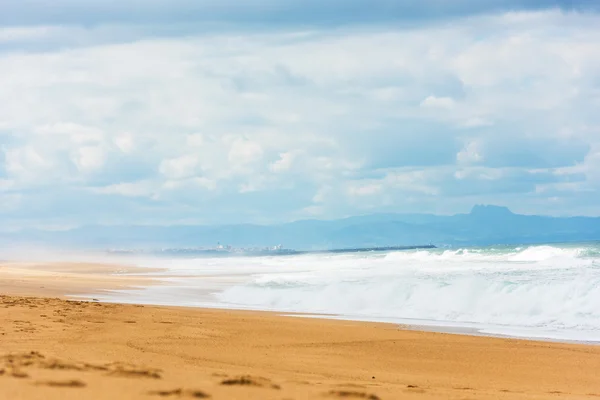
271	251
483	226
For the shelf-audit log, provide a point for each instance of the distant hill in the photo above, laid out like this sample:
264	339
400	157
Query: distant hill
482	226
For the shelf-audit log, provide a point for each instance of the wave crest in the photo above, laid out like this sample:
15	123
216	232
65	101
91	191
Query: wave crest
549	287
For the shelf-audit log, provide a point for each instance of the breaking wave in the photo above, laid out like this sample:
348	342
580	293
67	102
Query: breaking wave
551	291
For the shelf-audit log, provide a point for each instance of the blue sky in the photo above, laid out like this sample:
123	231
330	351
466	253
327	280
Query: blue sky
161	112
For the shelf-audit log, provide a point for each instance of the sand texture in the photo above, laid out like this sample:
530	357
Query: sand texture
52	348
68	278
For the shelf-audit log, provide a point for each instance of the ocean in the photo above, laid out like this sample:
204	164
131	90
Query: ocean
535	291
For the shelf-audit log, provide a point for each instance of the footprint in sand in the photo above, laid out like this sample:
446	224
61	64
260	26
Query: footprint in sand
353	395
14	372
132	371
15	363
414	389
247	380
196	394
62	384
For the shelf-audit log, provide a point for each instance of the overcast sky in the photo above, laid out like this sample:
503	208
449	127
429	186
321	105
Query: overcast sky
142	112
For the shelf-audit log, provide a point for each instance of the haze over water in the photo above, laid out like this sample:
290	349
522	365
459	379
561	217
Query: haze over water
540	291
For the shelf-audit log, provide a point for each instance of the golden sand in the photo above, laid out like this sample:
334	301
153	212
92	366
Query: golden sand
51	348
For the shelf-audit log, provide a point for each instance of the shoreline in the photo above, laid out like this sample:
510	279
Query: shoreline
110	281
60	349
458	328
434	327
52	348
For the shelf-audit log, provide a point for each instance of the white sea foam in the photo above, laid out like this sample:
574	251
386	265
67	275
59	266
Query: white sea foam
537	291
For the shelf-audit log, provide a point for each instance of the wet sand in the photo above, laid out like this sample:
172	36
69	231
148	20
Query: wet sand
51	348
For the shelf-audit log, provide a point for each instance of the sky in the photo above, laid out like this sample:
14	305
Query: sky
266	111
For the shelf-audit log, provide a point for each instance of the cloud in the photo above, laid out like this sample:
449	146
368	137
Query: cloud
284	163
438	102
127	189
125	143
180	167
257	126
244	152
23	161
89	158
365	190
471	153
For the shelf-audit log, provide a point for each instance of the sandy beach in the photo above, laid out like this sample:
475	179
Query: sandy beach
54	348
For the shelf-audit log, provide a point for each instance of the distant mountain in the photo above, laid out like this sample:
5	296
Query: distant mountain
484	225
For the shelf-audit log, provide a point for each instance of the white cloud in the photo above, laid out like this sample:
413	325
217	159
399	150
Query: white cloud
415	181
470	154
284	163
17	34
438	102
312	212
569	187
180	167
244	152
128	189
300	111
365	190
125	143
195	140
73	132
89	158
25	163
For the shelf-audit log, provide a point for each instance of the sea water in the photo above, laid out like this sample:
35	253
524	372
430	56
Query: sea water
542	291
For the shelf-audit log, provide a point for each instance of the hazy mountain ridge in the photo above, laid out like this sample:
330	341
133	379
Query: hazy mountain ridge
483	225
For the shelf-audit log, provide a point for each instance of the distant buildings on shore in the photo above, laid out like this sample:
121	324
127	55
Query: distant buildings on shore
227	250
